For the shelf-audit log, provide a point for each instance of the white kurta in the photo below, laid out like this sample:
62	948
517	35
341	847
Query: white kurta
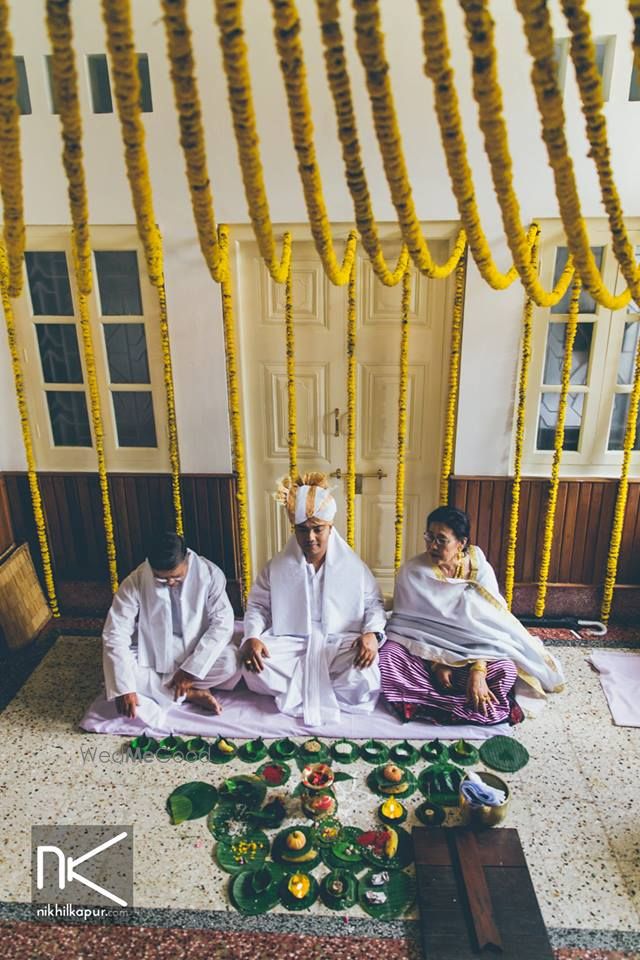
153	629
457	620
309	621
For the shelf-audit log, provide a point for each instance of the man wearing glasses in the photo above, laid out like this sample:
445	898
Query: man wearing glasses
168	633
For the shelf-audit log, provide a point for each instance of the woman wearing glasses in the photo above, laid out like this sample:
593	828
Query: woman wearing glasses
454	652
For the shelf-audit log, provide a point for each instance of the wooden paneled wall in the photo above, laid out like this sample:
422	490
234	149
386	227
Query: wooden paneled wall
584	516
141	503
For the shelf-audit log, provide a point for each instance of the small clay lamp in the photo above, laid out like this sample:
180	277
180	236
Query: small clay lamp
299	885
391	811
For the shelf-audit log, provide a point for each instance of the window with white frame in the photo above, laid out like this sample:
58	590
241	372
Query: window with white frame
602	365
124	319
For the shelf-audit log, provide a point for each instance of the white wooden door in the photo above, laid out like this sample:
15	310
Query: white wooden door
320	342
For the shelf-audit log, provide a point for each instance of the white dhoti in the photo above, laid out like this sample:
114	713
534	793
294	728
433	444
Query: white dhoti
223	674
317	687
310	620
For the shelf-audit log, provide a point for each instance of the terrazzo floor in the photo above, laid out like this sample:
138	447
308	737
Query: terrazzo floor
574	805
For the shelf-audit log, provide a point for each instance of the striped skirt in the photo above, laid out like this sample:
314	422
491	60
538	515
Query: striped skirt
409	689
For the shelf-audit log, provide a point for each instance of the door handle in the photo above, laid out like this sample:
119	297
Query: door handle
336	422
379	474
340	474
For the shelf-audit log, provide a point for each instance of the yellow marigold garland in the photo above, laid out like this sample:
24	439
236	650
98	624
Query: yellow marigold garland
351	406
292	435
621	496
126	82
558	443
287	34
370	44
539	33
340	86
10	157
215	244
234	417
66	86
488	95
402	418
583	55
454	380
34	486
514	515
187	100
234	52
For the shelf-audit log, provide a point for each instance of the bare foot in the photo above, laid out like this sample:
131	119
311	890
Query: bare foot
204	699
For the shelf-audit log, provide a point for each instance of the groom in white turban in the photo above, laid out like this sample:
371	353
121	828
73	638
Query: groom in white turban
314	616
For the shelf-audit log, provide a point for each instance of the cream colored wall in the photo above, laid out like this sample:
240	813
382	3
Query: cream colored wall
491	319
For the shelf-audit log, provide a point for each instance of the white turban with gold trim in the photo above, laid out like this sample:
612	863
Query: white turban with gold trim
307	496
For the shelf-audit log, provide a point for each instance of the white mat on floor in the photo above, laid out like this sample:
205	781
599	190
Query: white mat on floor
620	679
246	715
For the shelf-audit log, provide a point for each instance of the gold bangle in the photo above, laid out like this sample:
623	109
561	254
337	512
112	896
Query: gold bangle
479	665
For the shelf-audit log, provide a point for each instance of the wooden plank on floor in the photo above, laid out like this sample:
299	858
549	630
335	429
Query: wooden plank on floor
445	909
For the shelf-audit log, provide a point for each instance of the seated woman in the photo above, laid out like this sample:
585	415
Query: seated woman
453	650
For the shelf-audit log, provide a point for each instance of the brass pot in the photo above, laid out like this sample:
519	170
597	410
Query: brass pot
486	816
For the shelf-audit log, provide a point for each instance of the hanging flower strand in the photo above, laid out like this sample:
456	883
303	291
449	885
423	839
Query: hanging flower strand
292	65
292	433
23	410
525	360
340	86
10	157
233	393
351	406
402	418
583	54
126	82
454	380
622	494
540	39
65	84
558	444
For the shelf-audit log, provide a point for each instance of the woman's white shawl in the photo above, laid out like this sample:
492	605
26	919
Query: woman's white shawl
456	621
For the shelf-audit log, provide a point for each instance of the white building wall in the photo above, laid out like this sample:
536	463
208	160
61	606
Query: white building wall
490	343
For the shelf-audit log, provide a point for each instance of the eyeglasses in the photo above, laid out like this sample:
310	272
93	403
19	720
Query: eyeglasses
441	541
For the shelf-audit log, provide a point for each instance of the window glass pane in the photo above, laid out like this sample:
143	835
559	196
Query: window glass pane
59	354
627	359
586	304
601	55
49	283
134	418
146	103
99	83
560	49
69	418
556	338
548	419
126	352
634	87
619	423
118	283
23	98
52	92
